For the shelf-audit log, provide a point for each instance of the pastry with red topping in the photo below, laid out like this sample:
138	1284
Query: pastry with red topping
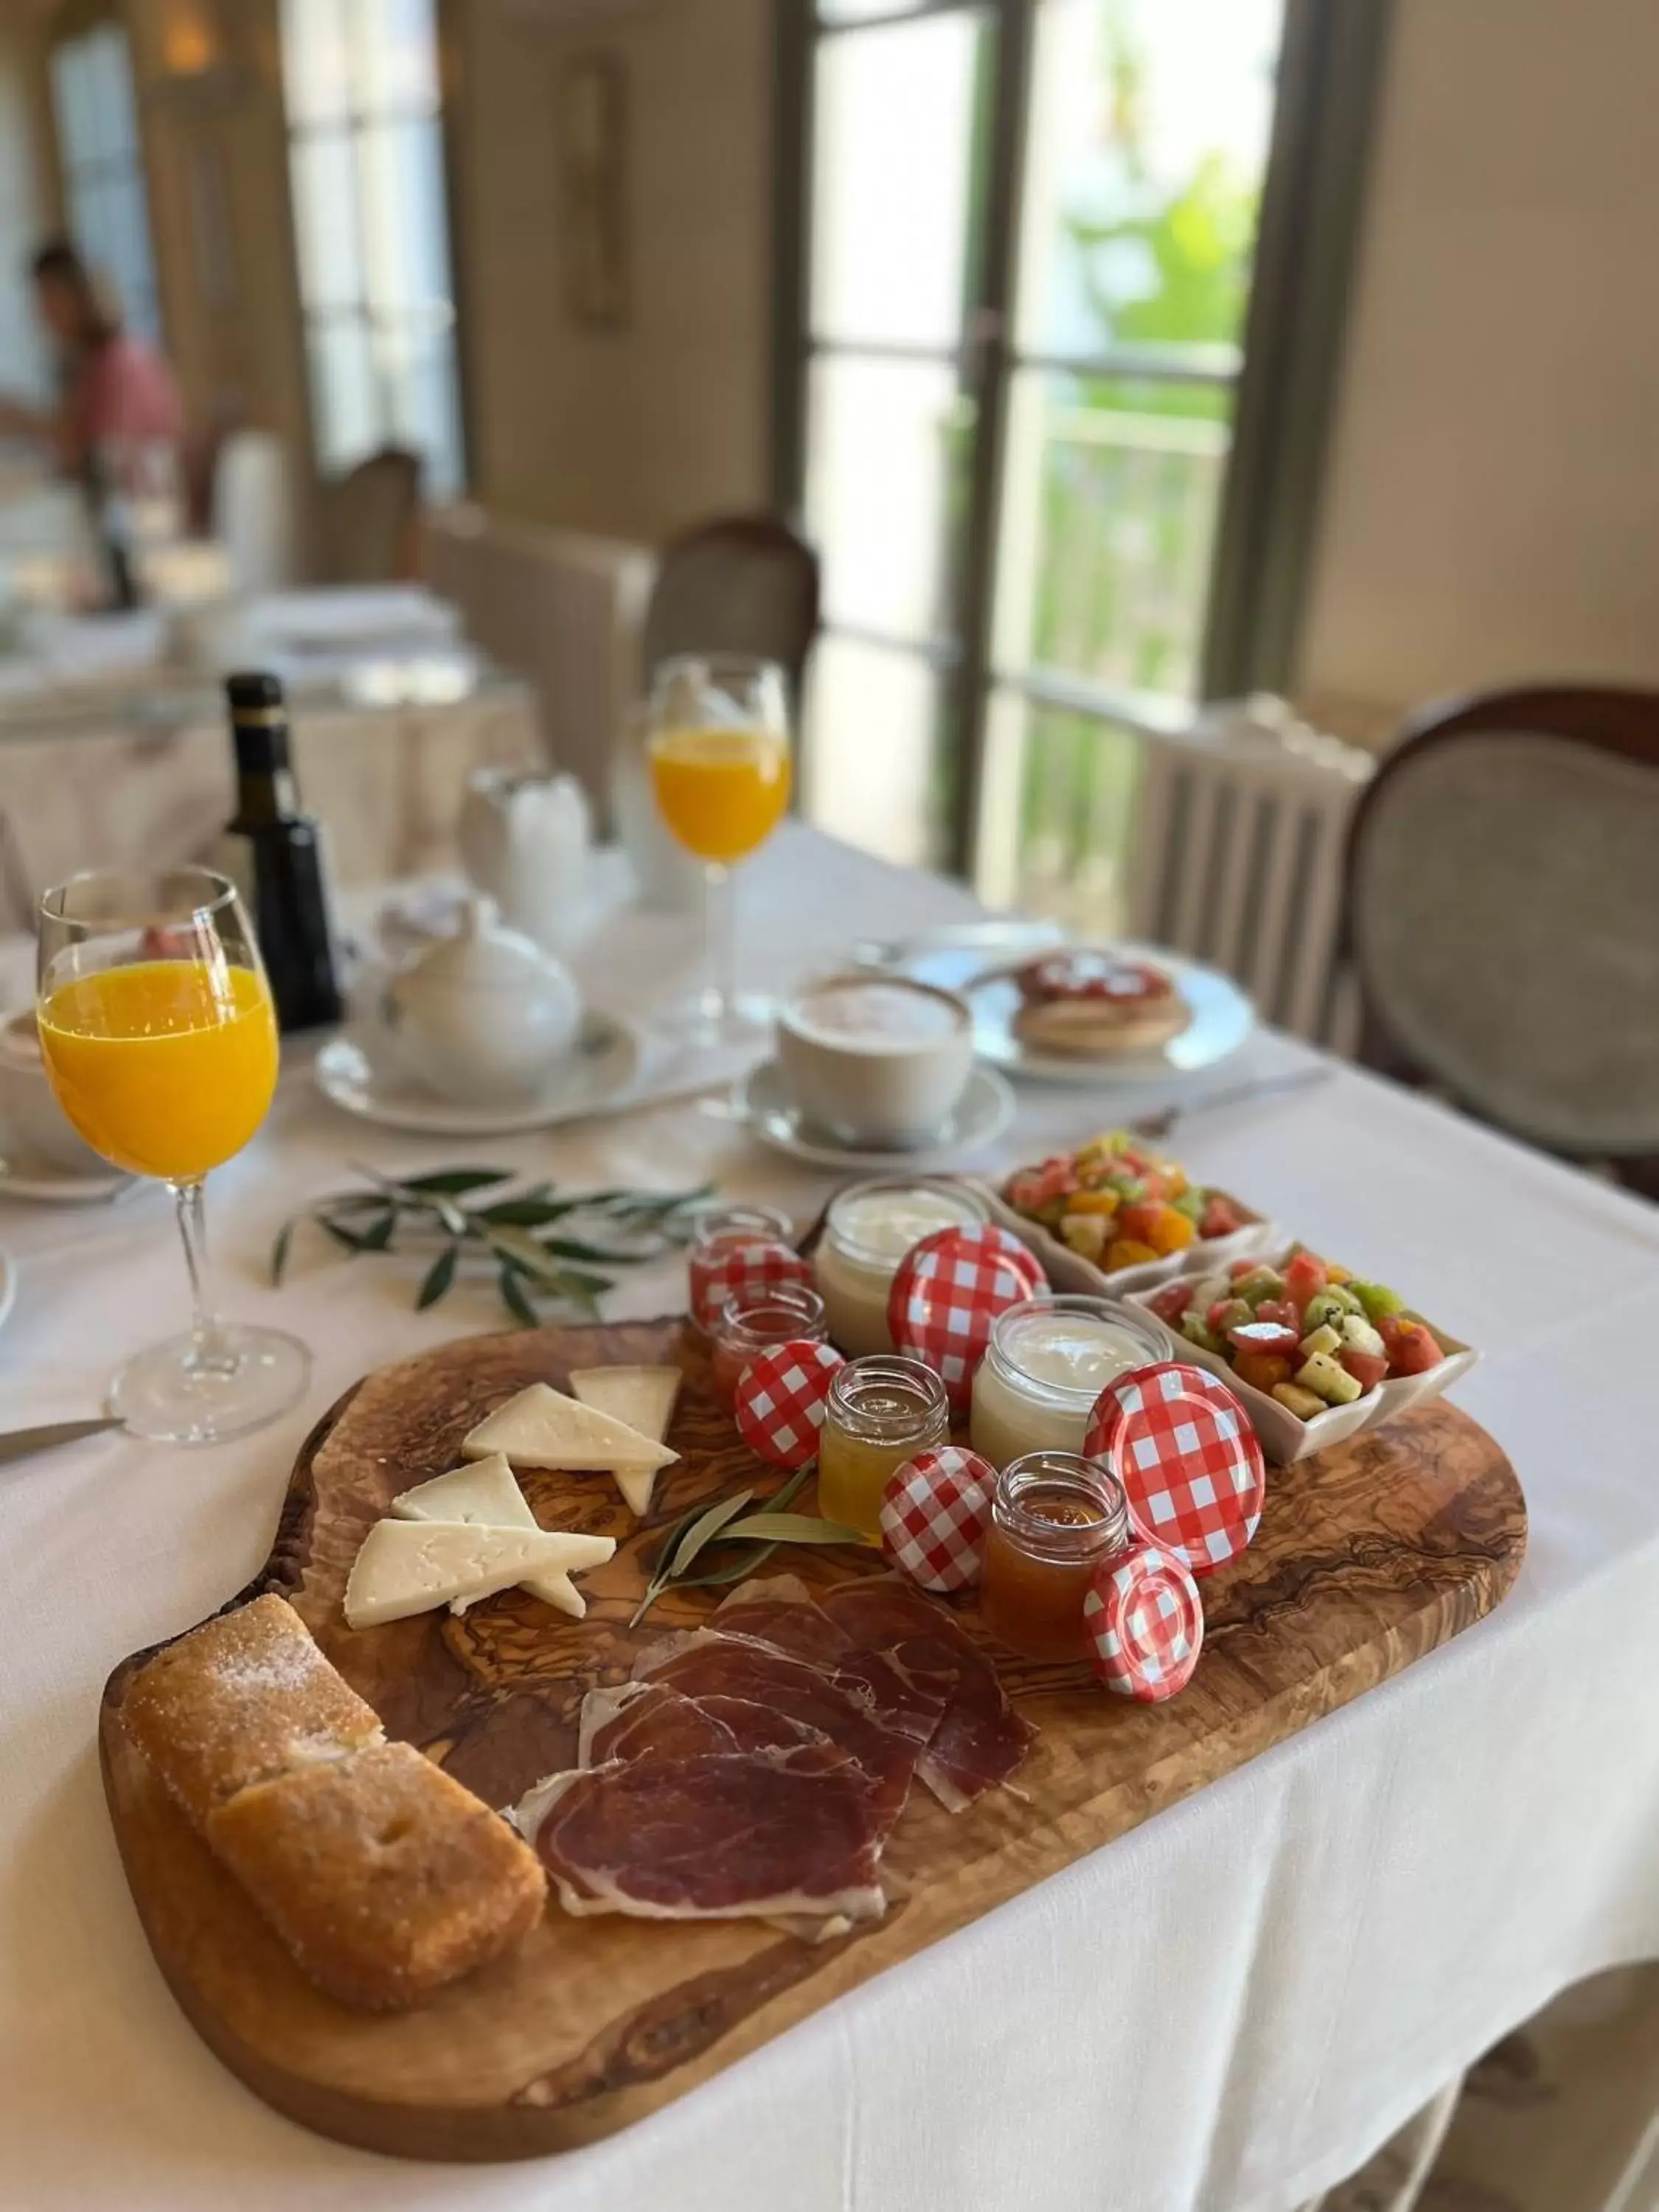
1093	1003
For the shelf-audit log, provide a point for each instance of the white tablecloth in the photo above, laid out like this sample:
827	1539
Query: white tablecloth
1227	2009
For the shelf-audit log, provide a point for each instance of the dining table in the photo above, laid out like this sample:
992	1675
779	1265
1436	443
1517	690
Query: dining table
1226	2010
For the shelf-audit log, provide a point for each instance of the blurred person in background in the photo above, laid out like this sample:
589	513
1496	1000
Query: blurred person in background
117	397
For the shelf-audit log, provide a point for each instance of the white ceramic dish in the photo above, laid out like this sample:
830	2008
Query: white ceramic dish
1284	1437
360	1074
1069	1271
763	1101
41	1184
1221	1019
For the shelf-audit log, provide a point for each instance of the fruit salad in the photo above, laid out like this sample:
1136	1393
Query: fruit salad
1307	1332
1119	1204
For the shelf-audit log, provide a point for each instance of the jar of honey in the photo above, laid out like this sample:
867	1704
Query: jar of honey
750	1320
1054	1516
882	1410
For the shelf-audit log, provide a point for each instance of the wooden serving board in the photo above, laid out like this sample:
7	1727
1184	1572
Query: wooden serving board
1367	1557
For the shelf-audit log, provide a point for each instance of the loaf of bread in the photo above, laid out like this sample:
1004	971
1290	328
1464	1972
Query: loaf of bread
241	1699
384	1877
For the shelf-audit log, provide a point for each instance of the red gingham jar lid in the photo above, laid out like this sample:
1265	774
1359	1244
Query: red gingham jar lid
734	1265
947	1292
781	1396
934	1513
992	1237
1145	1623
1190	1464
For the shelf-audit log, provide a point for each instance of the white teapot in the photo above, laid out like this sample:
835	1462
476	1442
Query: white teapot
524	840
485	1017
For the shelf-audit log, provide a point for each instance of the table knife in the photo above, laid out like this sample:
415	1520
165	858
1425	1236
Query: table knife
18	1443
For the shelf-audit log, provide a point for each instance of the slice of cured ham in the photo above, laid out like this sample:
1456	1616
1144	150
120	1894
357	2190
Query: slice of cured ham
649	1717
780	1611
981	1740
794	1833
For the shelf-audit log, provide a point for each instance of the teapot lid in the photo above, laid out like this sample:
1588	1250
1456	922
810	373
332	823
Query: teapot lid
484	956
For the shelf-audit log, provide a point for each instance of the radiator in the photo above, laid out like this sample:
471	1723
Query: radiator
1236	858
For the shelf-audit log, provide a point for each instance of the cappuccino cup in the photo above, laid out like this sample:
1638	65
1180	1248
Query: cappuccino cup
876	1060
32	1122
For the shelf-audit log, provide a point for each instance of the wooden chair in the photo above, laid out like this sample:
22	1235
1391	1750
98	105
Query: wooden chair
744	583
1502	914
368	519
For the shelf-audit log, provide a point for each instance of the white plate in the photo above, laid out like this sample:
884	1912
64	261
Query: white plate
361	1078
984	1112
1285	1435
22	1176
1222	1018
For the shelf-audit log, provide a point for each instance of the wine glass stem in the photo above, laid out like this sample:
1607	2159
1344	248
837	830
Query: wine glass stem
719	907
209	1350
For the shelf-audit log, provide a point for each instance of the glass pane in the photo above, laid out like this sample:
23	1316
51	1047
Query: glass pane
876	752
887	457
1057	814
345	398
71	98
130	254
1148	139
1109	520
316	60
111	128
405	240
895	128
398	55
418	365
325	215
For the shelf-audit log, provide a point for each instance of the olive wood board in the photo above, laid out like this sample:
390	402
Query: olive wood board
1367	1557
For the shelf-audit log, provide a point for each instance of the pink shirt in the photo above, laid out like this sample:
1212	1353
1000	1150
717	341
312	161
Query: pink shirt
125	394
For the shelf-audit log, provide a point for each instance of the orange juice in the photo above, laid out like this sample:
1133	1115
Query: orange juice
720	791
165	1066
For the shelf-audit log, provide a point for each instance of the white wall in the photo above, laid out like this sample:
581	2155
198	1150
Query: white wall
1492	508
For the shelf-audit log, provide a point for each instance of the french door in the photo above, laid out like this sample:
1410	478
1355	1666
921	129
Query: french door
1016	284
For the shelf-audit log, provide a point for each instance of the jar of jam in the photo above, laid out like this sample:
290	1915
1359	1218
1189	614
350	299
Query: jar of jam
1054	1516
882	1410
750	1320
720	1230
868	1230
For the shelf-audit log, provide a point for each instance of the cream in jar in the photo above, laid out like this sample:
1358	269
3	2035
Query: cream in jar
868	1230
1048	1362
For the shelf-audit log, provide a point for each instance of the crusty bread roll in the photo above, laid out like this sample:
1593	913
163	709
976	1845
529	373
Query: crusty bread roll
242	1699
384	1878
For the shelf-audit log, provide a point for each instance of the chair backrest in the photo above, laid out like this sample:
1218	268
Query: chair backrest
1502	911
367	519
744	583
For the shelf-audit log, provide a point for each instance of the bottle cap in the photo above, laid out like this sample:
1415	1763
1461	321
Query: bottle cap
251	690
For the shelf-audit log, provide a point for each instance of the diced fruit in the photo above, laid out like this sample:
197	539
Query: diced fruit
1280	1310
1263	1336
1380	1302
1237	1269
1220	1217
1261	1282
1093	1201
1139	1220
1171	1231
1321	1342
1335	1274
1304	1275
1225	1314
1304	1404
1193	1329
1358	1335
1127	1252
1412	1346
1327	1379
1262	1370
1171	1302
1367	1370
1086	1234
1328	1306
1189	1201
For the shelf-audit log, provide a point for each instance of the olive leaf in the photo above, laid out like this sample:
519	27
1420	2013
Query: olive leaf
792	1528
439	1277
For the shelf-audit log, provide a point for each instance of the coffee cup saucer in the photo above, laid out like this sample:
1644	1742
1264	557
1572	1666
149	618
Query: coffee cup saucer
762	1100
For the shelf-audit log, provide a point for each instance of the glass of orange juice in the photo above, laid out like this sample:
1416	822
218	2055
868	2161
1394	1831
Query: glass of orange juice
719	748
160	1041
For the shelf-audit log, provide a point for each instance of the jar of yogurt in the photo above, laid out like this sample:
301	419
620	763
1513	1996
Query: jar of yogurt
1047	1362
868	1230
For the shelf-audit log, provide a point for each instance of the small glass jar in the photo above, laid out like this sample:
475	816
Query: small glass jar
752	1320
881	1411
1054	1516
1048	1362
868	1230
718	1232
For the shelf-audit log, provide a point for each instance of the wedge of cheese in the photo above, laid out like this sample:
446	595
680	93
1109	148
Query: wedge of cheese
644	1397
407	1567
541	1427
485	1492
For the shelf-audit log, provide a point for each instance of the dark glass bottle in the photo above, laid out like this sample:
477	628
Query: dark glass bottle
272	852
107	509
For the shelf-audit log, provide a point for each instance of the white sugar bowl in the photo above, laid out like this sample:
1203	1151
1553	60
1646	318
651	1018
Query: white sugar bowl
484	1018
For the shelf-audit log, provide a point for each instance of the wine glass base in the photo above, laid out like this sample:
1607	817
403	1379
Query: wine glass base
167	1393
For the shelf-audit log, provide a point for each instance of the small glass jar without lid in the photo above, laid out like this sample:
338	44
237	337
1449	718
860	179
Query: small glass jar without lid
868	1230
1055	1516
881	1411
717	1232
752	1320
